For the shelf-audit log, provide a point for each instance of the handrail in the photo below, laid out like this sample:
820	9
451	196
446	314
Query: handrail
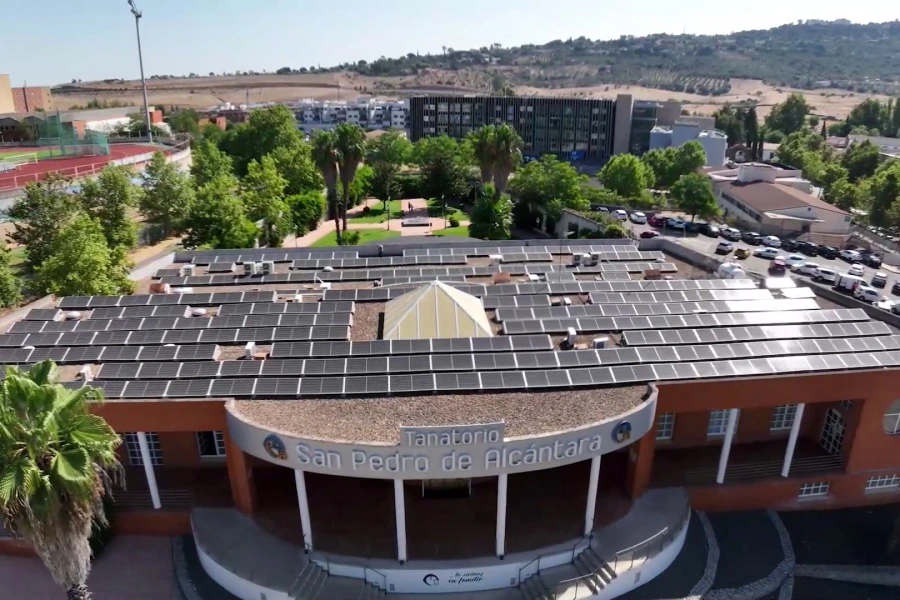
376	571
538	558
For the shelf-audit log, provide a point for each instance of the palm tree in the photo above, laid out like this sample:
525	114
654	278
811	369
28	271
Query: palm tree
325	155
481	142
57	462
507	154
351	151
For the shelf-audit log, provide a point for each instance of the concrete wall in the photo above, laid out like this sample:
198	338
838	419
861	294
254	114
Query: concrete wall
6	97
715	148
622	130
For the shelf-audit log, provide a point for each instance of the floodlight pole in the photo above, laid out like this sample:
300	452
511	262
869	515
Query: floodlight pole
137	27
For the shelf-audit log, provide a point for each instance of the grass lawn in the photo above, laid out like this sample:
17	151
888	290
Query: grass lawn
41	152
454	231
365	236
435	210
377	213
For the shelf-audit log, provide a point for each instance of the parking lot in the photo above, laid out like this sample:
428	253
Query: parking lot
707	245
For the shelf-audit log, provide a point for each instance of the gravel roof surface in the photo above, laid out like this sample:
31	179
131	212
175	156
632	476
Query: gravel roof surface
378	420
367	321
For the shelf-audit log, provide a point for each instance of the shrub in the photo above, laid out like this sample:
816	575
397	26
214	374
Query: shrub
454	222
350	238
366	210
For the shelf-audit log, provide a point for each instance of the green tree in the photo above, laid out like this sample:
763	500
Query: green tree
507	153
351	151
211	133
209	163
751	132
296	165
861	160
307	211
216	218
842	194
870	113
325	157
444	168
82	264
184	121
731	121
266	130
661	162
541	181
10	287
693	194
491	218
109	200
884	191
831	174
481	146
59	461
262	194
689	157
40	215
626	175
789	116
166	195
386	154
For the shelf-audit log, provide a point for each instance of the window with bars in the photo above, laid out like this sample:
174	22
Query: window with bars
883	482
783	417
846	404
892	419
718	422
665	426
134	449
211	443
818	488
833	432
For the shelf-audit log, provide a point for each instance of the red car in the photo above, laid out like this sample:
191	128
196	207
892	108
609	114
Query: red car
656	221
649	233
777	267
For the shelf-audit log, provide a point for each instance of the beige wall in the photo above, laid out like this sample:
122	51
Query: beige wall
622	131
6	98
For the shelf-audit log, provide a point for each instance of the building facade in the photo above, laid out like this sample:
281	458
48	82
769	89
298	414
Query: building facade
714	142
7	104
32	99
571	128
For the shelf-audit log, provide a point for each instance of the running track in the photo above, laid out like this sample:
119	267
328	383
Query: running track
70	167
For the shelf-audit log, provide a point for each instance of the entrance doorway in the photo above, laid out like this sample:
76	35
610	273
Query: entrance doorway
833	432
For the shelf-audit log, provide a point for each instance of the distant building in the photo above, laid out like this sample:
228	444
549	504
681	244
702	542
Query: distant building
714	142
368	113
886	145
103	120
32	99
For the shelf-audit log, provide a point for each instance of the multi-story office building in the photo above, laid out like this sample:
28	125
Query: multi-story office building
572	128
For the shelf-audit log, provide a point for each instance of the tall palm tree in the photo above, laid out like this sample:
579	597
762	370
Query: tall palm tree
325	155
351	151
507	155
57	461
481	141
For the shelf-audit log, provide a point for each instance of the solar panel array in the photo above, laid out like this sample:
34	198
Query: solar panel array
608	324
493	302
678	308
400	347
108	354
685	296
512	257
743	334
270	308
380	261
616	248
281	255
191	299
453	382
43	314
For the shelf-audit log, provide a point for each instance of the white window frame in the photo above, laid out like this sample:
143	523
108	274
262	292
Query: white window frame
815	489
883	483
665	427
218	444
892	419
133	447
720	419
834	442
783	417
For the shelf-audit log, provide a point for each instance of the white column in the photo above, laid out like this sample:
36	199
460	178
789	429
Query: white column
501	515
148	468
303	501
792	440
592	496
726	445
400	515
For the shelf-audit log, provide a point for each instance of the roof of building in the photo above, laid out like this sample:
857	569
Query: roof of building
68	116
435	310
763	196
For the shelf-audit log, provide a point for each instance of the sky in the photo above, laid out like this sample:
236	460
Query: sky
61	40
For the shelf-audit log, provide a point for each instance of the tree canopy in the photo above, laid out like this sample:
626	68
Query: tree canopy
789	116
693	194
491	218
307	210
209	163
549	179
444	168
861	160
216	218
262	194
386	154
109	199
10	287
668	164
626	175
266	130
166	195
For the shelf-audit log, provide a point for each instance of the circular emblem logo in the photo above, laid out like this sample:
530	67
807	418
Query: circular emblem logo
622	432
275	447
431	580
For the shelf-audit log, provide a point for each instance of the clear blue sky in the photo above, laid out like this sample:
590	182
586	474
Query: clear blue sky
54	41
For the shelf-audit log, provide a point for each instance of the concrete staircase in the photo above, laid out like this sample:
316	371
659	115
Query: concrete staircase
371	592
596	572
309	582
535	588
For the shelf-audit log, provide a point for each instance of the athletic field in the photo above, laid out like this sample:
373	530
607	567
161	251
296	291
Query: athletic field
45	152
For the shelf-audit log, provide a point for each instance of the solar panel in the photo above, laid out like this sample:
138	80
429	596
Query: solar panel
151	353
206	352
120	353
198	370
240	368
119	371
189	388
14	355
85	354
157	370
27	327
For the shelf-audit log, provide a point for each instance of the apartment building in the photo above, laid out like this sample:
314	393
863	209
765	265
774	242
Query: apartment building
368	113
31	99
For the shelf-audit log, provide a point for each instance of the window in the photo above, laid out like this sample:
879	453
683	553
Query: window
718	422
665	426
819	488
134	449
833	432
783	417
883	482
846	404
211	443
892	419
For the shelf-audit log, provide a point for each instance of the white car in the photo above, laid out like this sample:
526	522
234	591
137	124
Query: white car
795	261
807	268
849	255
867	294
639	218
825	275
771	241
856	269
730	233
770	253
620	215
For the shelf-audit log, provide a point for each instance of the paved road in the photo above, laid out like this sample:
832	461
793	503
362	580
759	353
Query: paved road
707	245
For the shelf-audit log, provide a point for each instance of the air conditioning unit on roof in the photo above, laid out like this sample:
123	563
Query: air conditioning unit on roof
570	336
268	267
250	350
187	270
250	268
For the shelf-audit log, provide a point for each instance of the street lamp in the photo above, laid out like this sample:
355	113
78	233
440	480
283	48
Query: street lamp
137	26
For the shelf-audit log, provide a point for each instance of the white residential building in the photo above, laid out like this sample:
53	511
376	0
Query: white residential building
367	112
714	142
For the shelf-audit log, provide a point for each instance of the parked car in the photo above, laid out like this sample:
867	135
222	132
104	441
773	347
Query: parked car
777	267
620	214
825	275
867	293
849	255
724	247
789	245
808	248
807	268
638	217
895	289
741	253
657	221
709	230
751	237
856	269
730	233
870	259
769	253
691	227
598	208
676	224
879	279
649	233
771	241
795	260
829	252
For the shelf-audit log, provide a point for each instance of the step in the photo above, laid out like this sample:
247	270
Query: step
592	558
372	592
309	583
312	591
545	593
606	570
